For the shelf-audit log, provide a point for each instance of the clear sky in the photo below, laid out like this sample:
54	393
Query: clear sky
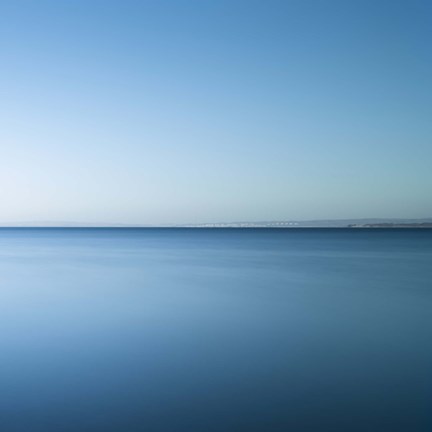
211	110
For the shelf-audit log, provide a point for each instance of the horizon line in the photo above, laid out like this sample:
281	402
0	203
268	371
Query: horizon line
287	223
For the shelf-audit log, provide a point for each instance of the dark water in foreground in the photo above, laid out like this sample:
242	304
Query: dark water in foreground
215	330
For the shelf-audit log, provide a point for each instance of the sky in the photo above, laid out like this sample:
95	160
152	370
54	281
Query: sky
190	111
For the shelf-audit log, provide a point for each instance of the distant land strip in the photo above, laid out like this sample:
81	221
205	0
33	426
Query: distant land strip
392	225
287	224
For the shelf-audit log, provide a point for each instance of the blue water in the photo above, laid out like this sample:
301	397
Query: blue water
215	330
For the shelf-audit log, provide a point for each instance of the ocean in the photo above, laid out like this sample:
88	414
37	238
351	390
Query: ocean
215	330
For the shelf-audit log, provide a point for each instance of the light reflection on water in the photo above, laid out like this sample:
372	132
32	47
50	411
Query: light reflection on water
215	330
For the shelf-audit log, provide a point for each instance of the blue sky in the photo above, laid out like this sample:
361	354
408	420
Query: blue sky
196	111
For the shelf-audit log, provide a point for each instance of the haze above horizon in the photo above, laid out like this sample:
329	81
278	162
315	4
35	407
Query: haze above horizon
147	112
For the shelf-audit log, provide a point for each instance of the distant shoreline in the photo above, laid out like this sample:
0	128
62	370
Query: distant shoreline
363	223
423	226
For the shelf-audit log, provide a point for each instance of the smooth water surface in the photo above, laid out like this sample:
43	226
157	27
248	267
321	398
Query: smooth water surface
215	330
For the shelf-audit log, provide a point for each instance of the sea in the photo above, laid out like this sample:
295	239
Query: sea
215	330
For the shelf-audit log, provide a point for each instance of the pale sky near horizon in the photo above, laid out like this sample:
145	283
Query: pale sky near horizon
196	111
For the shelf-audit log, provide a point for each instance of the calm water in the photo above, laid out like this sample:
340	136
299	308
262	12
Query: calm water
215	330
